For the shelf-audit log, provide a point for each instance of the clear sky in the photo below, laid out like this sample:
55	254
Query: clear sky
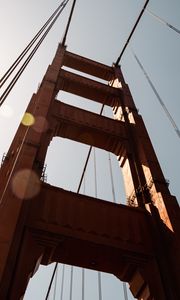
98	30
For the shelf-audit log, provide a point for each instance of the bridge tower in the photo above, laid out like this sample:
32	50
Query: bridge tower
41	223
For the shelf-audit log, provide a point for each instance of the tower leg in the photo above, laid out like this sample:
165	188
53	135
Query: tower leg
146	283
24	269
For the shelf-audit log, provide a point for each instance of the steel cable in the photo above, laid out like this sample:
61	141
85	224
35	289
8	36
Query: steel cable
71	284
173	123
87	159
63	42
52	278
132	32
111	176
96	193
28	47
163	21
62	283
117	62
83	283
32	53
78	190
83	270
125	291
114	200
69	21
55	285
100	285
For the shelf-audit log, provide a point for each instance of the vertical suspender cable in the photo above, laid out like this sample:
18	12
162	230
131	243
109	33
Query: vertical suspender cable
83	270
84	169
95	174
125	291
84	185
62	282
87	159
55	284
99	285
49	288
163	21
83	283
95	184
158	96
71	284
63	43
111	175
53	275
82	177
114	200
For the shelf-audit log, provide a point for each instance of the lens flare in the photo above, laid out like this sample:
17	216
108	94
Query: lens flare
40	125
28	119
26	184
6	111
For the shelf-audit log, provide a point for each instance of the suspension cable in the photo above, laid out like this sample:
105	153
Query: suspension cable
52	278
84	185
95	186
83	283
163	21
62	283
111	176
63	42
55	285
125	291
114	200
99	285
111	173
28	47
83	270
95	174
173	123
132	32
84	170
71	283
87	159
68	24
23	67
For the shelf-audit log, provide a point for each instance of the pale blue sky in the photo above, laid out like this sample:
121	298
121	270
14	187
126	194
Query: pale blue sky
98	30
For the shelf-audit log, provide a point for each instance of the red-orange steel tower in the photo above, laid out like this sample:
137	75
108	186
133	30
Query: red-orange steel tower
40	223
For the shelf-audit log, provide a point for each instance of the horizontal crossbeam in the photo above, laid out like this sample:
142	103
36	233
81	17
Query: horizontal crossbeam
88	66
87	88
71	221
89	128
